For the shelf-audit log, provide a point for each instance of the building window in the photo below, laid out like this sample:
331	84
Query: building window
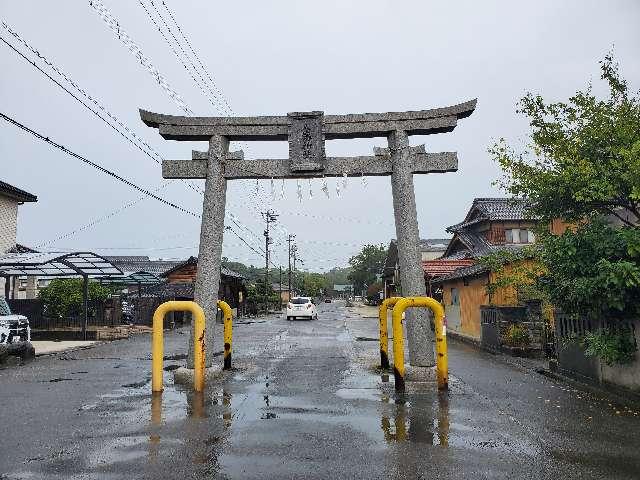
455	299
519	235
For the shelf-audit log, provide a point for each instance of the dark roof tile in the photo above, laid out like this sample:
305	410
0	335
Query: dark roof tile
16	193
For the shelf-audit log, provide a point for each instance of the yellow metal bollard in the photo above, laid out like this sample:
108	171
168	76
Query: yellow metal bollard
398	339
157	345
384	336
228	333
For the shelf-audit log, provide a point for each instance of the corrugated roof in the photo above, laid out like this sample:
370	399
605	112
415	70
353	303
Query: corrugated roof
425	245
137	263
194	261
19	248
16	193
433	244
436	268
169	290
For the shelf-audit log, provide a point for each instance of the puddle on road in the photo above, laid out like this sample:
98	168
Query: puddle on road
373	394
232	410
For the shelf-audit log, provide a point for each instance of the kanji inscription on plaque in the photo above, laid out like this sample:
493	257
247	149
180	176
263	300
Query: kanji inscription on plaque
306	141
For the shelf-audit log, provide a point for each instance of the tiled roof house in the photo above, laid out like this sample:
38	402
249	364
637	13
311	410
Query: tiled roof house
491	225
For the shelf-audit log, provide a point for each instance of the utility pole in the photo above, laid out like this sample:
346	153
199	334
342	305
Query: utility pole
290	239
294	253
269	217
280	285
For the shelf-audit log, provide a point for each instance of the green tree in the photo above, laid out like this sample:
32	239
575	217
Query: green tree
584	155
594	271
366	265
337	276
583	165
314	284
63	296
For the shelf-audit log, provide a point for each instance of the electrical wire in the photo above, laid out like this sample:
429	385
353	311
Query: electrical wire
101	219
136	51
215	91
96	166
145	148
128	42
216	104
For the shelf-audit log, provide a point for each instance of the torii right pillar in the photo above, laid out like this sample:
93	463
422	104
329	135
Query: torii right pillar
419	335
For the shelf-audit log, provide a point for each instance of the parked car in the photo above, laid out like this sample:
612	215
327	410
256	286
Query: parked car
327	300
13	328
301	307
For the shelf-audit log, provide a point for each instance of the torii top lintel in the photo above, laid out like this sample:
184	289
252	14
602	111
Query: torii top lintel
361	125
306	133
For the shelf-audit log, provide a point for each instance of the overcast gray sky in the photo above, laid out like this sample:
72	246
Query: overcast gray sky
272	58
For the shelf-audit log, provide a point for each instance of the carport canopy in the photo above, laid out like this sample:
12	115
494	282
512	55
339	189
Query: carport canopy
57	264
60	264
137	278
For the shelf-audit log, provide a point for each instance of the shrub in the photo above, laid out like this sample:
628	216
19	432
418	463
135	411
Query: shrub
517	336
612	347
63	296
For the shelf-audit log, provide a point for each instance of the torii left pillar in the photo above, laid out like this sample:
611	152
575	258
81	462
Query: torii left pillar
211	236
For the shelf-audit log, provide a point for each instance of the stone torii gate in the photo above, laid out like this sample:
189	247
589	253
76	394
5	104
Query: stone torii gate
306	133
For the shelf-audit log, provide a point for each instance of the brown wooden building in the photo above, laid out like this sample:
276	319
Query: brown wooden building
491	224
232	289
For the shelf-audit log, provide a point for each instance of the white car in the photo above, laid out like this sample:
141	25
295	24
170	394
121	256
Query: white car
13	328
301	307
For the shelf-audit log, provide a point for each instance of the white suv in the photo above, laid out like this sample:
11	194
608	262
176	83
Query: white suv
13	328
299	307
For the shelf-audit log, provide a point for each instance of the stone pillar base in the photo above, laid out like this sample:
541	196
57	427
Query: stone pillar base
184	376
420	374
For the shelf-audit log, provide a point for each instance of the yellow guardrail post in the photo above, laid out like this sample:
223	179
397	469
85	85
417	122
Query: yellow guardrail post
228	333
384	336
398	339
157	343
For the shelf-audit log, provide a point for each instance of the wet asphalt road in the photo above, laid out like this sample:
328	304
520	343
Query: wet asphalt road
304	401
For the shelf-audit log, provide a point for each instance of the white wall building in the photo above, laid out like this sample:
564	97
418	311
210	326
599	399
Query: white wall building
10	198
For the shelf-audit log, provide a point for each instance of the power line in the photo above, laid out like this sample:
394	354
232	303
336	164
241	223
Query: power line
74	96
145	148
216	92
95	165
128	42
101	219
142	145
136	141
215	104
135	50
228	227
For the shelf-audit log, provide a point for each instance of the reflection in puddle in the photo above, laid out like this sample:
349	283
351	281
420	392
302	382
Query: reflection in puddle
197	406
443	419
416	423
156	421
